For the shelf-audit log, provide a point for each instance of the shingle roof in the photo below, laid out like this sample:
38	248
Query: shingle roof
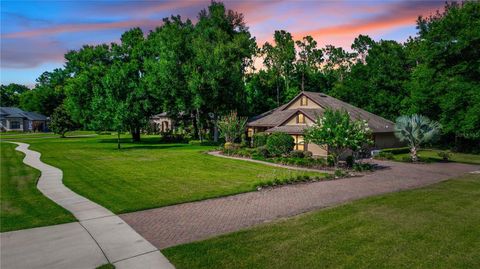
14	112
279	115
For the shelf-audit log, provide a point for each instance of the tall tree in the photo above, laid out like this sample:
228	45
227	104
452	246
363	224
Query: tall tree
222	50
309	58
168	55
378	85
10	94
48	93
124	95
86	67
279	59
445	83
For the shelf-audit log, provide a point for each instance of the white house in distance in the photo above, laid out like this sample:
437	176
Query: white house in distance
293	117
15	119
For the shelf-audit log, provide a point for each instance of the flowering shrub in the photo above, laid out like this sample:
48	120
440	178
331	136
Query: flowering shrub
231	126
337	133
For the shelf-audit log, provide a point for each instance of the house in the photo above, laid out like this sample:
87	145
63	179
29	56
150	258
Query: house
295	116
162	122
15	119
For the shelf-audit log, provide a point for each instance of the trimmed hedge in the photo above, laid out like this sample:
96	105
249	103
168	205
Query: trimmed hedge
259	139
395	151
280	144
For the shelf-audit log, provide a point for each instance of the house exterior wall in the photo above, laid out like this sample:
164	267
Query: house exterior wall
164	124
293	121
297	104
316	150
10	123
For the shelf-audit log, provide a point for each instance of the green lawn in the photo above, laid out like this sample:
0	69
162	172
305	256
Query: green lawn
148	174
22	204
430	155
433	227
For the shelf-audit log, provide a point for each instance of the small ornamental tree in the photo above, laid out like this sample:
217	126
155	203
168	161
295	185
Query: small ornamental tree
61	121
231	126
416	130
280	144
337	133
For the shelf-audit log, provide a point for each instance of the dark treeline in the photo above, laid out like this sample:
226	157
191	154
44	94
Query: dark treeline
198	72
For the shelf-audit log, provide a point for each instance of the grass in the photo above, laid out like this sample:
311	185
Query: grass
22	204
433	227
15	135
148	174
430	155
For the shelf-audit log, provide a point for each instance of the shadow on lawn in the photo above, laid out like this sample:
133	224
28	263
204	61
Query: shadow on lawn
144	143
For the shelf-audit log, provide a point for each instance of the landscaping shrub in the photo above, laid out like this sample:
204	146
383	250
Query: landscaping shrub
307	154
261	152
445	155
360	167
231	146
340	173
279	144
203	143
259	140
244	141
296	154
330	161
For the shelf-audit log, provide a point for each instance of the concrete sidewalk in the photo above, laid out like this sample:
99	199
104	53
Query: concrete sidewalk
60	247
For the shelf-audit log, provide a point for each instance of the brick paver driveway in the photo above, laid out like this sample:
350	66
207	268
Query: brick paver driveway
173	225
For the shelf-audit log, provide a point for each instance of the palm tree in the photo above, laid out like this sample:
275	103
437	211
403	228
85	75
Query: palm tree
416	130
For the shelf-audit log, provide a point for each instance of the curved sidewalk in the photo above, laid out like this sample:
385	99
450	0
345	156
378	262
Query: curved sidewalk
117	241
218	154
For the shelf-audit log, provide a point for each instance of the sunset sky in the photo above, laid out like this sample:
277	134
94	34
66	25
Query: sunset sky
36	34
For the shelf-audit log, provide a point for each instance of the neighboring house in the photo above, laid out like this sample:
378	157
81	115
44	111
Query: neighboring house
292	118
163	122
15	119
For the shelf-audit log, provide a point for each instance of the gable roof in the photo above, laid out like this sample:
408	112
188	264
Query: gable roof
278	116
14	112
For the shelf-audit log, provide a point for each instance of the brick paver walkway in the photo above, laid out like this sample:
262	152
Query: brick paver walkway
183	223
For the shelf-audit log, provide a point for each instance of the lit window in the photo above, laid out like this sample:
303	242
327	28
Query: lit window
299	142
250	132
304	101
300	118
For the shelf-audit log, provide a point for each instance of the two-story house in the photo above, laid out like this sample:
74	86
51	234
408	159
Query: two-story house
293	117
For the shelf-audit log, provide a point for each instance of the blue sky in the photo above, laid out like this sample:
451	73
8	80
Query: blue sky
36	34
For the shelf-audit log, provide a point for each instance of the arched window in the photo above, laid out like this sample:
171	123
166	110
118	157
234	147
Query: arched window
300	118
303	101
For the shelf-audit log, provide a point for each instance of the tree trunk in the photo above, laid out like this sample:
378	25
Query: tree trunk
199	126
413	153
118	140
195	127
135	134
215	128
